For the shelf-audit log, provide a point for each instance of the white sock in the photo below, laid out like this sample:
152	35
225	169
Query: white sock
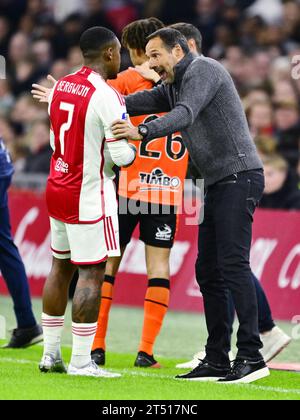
83	338
52	330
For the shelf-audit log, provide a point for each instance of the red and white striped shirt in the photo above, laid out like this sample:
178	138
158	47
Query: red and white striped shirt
82	108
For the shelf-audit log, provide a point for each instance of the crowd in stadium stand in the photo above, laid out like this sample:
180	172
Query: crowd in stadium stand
258	41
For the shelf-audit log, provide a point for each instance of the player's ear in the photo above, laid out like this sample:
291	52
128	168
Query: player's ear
108	54
177	51
192	44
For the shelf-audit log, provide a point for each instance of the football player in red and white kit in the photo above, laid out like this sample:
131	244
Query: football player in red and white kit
82	108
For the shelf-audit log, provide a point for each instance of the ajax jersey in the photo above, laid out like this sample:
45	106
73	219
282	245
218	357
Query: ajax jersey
159	170
82	108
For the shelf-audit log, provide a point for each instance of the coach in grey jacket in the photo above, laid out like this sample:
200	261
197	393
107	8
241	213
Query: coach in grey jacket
201	101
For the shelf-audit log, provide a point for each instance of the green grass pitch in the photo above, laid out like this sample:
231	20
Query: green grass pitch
180	338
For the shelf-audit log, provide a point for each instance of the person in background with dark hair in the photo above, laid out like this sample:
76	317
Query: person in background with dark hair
193	92
281	191
287	123
192	34
38	160
28	332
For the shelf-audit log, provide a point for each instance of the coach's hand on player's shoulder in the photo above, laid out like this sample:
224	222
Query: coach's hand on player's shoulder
42	93
123	129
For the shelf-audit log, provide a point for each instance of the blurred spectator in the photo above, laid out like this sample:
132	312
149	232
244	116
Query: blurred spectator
172	11
280	70
13	10
59	69
287	122
8	134
63	9
262	62
26	111
96	15
256	40
27	25
119	13
42	55
260	118
266	145
269	10
36	8
75	59
7	99
24	74
281	191
207	20
72	28
284	91
254	96
38	140
4	35
291	18
18	50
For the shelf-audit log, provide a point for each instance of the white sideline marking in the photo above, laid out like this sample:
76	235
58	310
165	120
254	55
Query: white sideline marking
273	389
151	375
19	361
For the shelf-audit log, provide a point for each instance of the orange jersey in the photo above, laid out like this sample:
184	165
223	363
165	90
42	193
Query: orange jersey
158	173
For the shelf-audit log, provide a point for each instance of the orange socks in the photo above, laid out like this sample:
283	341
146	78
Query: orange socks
155	309
106	301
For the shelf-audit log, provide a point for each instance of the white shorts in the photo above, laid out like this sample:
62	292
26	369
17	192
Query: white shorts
85	243
112	236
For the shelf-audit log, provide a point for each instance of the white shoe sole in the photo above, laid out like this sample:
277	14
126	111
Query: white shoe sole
255	376
200	379
53	369
278	347
106	375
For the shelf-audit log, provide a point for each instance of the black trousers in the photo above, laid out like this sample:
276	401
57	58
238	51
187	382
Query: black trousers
223	264
11	264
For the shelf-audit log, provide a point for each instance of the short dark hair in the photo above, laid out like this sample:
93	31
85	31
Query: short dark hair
135	34
93	40
171	37
190	32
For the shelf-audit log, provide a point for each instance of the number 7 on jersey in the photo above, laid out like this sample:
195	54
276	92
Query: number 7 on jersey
65	106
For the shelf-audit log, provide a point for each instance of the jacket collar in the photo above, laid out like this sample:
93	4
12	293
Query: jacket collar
181	67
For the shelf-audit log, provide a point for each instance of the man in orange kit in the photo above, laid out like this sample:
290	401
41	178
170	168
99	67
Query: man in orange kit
150	191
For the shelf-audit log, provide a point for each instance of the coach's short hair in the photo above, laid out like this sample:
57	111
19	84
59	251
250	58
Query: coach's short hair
135	34
170	38
190	32
93	40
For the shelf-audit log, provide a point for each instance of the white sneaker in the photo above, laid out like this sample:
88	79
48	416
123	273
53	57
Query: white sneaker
52	365
91	370
274	342
192	364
